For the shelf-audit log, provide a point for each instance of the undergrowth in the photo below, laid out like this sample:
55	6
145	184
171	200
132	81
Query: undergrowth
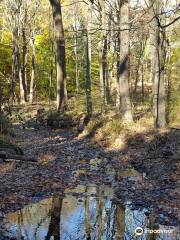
5	125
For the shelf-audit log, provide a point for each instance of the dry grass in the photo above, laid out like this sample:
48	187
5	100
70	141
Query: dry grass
110	131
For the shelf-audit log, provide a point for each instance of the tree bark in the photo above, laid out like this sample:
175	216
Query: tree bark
77	63
88	76
125	103
50	81
157	68
23	74
15	62
32	69
76	50
51	60
60	54
21	87
24	60
117	50
24	52
88	68
102	52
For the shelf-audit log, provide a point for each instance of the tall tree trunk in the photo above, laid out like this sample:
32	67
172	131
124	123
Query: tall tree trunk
140	68
88	76
142	81
23	68
31	95
60	54
117	51
76	62
76	50
23	76
102	52
169	82
110	62
24	52
50	81
22	71
159	98
21	87
125	103
51	60
15	62
88	69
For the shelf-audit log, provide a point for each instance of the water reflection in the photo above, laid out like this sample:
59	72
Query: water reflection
54	225
85	213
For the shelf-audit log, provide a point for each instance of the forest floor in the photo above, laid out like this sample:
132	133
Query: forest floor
145	170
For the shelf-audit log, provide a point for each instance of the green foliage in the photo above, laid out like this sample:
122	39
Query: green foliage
44	63
174	80
5	63
175	106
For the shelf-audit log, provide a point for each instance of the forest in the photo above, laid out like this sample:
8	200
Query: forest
89	119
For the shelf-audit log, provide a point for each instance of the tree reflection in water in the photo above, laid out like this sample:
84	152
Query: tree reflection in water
87	224
100	213
120	219
54	226
86	213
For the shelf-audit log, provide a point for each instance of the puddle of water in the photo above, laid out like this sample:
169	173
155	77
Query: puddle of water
128	173
85	213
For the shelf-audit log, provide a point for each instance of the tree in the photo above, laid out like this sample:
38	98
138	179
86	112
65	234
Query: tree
108	44
157	66
20	15
22	70
76	42
123	71
60	53
88	67
102	51
13	15
33	68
